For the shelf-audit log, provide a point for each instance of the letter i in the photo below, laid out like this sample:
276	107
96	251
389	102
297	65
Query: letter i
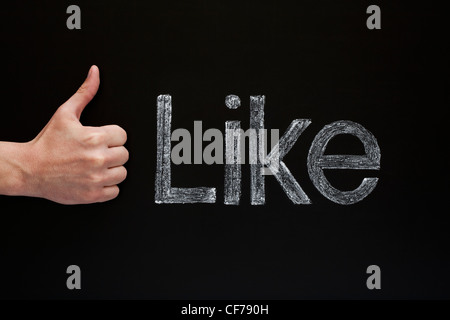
232	190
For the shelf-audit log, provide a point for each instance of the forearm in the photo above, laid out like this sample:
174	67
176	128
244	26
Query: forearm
13	168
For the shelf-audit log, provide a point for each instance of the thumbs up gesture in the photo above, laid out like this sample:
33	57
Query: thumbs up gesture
73	164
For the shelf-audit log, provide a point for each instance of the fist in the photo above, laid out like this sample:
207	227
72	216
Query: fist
74	164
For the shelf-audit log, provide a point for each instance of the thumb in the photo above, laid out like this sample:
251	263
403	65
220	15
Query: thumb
85	93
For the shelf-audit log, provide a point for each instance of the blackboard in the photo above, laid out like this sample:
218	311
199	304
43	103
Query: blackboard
311	60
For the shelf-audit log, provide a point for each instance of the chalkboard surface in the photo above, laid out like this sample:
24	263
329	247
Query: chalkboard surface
312	60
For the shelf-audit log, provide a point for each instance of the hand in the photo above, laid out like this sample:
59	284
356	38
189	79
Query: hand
72	164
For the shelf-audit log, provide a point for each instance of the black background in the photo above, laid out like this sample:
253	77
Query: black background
311	59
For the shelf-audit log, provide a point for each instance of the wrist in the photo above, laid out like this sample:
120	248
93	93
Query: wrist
15	169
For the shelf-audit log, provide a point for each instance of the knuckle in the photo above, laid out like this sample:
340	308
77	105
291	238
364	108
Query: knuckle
126	154
124	173
98	160
121	132
95	138
86	90
110	193
82	88
125	135
96	179
115	192
63	112
92	195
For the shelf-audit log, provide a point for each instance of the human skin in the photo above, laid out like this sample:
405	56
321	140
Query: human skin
67	162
